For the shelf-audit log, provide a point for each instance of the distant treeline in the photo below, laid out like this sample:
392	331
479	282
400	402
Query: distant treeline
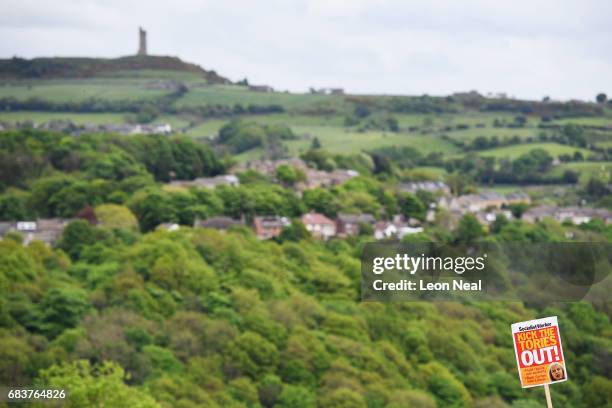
473	101
28	154
149	107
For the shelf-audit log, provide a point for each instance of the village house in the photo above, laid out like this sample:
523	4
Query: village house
218	223
267	227
350	224
47	230
268	167
318	178
327	91
67	126
517	197
313	178
487	217
208	182
261	88
473	203
319	225
131	129
575	215
394	229
436	187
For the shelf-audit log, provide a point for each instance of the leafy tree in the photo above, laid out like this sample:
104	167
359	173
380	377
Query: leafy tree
322	201
596	188
570	176
289	175
152	208
412	206
242	136
162	359
316	143
598	392
61	308
13	206
270	389
76	236
115	216
458	183
500	222
295	396
15	353
518	209
362	111
98	386
320	159
252	355
601	98
295	232
342	398
449	392
469	229
382	164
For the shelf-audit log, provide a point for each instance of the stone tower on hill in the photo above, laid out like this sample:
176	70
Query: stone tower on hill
142	46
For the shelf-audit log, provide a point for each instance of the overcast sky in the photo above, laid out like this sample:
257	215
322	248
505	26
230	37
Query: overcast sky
527	49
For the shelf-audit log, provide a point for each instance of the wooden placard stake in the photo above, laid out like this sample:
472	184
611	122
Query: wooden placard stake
548	399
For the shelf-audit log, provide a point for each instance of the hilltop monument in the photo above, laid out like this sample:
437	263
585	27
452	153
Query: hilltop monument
142	45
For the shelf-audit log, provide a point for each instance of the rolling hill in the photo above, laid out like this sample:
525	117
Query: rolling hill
58	68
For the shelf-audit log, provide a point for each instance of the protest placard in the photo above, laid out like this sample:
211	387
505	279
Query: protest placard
539	353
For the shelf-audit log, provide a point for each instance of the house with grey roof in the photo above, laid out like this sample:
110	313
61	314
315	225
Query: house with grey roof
350	224
208	182
47	230
436	187
218	223
575	215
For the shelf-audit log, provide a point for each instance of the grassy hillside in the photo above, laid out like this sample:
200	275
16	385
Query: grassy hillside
233	95
80	90
587	170
516	150
197	103
78	118
49	68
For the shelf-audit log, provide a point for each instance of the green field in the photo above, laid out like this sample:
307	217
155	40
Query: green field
587	170
208	128
489	132
470	118
151	74
232	95
77	118
80	90
515	151
586	121
430	172
340	140
299	120
606	144
309	116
